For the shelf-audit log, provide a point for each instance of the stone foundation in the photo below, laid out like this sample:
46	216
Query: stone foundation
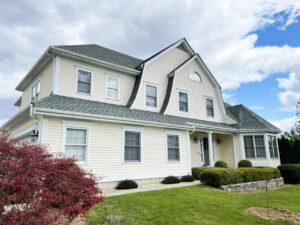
253	186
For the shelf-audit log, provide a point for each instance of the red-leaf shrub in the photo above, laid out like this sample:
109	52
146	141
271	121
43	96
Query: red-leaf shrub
48	189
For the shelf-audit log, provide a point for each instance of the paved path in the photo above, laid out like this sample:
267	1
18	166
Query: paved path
150	188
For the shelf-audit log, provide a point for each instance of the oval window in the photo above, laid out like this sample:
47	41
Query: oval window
194	76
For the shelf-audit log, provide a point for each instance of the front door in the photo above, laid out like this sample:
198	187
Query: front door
205	152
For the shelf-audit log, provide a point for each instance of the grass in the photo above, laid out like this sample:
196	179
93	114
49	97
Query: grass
191	205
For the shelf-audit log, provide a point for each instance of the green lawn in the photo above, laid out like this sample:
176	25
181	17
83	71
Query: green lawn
193	205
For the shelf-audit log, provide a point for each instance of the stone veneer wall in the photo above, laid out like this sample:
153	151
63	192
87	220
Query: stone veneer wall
253	186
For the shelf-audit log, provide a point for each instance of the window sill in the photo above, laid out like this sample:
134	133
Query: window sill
83	93
132	162
114	99
173	161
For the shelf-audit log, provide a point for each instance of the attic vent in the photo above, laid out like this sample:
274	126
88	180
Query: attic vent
194	76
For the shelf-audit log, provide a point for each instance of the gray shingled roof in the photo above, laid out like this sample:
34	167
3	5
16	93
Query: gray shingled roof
247	119
103	54
104	109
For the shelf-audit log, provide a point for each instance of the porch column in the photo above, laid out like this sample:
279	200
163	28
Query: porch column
210	148
267	150
234	150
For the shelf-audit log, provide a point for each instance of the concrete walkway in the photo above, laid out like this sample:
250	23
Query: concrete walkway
150	188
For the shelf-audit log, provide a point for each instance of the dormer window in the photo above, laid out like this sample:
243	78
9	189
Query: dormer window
151	96
194	76
112	87
35	90
210	107
84	81
183	102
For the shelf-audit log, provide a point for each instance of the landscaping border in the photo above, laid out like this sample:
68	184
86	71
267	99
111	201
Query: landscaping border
253	186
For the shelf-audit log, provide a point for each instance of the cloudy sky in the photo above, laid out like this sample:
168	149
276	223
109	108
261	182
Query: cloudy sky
252	47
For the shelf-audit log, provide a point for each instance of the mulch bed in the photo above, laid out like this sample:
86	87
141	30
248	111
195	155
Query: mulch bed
275	214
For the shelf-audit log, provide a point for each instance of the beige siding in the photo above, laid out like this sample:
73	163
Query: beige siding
156	73
46	80
23	127
105	155
68	82
197	93
224	149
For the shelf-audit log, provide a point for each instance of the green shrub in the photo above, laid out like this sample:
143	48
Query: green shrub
187	178
196	171
244	163
126	184
171	180
221	164
290	173
217	177
259	173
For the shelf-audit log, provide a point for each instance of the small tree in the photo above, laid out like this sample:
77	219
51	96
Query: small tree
38	189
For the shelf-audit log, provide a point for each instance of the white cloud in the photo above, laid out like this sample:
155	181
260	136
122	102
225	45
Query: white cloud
285	124
256	107
291	91
221	31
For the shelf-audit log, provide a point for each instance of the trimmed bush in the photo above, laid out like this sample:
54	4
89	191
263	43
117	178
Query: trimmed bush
196	171
187	178
290	173
244	163
171	180
221	164
222	176
126	184
258	174
217	177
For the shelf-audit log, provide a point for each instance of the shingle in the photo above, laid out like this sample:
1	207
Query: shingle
247	119
103	54
104	109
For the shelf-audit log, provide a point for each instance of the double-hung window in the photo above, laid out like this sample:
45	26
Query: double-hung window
173	147
112	87
76	143
273	147
35	90
132	148
210	107
84	81
254	146
183	101
151	96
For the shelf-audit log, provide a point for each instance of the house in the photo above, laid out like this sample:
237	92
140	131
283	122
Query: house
127	118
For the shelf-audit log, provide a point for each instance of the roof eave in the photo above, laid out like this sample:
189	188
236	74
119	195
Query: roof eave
80	57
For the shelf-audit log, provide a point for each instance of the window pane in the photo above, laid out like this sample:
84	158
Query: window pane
183	102
249	147
132	146
113	83
173	147
151	96
260	147
76	136
84	76
84	87
271	149
275	147
77	152
112	93
210	107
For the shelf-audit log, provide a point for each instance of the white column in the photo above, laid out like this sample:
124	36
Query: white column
242	148
189	153
267	150
234	150
210	149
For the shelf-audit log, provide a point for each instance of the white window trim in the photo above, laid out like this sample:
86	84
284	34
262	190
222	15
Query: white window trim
76	83
35	83
198	82
188	101
278	153
77	125
179	142
211	98
145	100
106	87
135	129
254	145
